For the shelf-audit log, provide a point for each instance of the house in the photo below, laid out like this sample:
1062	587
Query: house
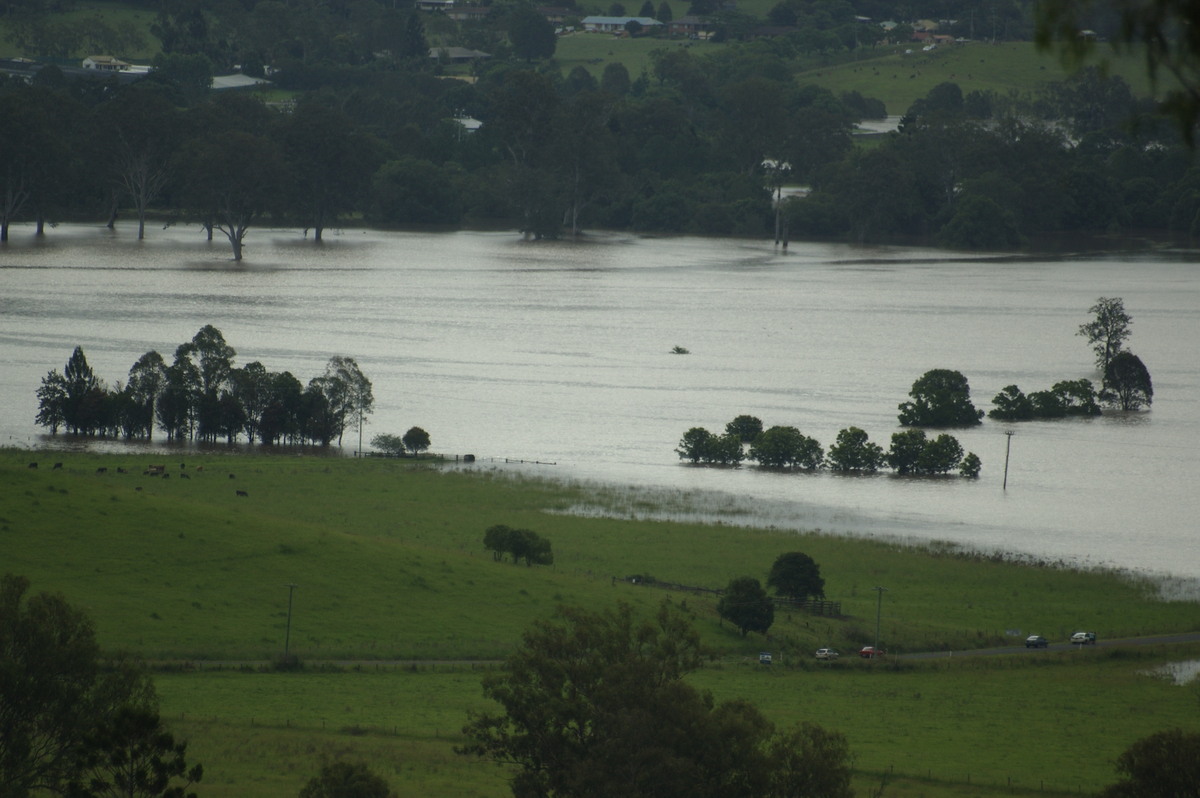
468	13
616	24
237	81
435	5
458	55
556	14
105	63
691	27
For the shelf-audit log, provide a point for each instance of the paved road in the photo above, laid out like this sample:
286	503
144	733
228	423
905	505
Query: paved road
1152	640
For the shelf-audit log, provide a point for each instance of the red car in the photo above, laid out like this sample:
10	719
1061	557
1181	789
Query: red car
870	652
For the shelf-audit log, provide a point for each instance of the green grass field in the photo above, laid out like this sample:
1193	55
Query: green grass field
388	561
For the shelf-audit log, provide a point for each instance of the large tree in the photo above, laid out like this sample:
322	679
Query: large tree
747	606
1163	765
780	447
797	576
940	398
531	34
853	451
1107	332
594	705
55	699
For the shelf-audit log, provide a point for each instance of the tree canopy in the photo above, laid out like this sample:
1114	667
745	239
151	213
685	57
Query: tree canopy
594	705
1108	331
747	606
1127	383
797	576
940	398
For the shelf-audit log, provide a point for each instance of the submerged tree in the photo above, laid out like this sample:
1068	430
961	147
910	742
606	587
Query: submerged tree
940	398
1107	332
1127	383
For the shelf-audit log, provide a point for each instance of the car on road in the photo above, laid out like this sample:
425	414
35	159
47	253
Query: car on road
1036	641
1083	638
870	652
827	653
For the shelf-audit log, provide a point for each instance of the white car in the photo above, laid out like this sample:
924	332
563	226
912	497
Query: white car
826	653
1083	638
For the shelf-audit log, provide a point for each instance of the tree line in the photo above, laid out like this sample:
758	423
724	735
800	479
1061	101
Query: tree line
697	143
201	395
911	452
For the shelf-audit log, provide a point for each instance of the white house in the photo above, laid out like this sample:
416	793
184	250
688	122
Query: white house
616	24
105	63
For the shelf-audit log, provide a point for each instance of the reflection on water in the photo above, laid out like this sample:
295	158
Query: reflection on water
561	352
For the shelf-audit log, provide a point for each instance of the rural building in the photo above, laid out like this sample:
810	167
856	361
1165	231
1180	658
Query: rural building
616	24
105	63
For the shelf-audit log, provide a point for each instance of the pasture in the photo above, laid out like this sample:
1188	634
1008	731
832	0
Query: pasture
398	609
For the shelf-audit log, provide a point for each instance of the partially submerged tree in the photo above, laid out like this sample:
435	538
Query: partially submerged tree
1127	383
854	452
940	398
1107	332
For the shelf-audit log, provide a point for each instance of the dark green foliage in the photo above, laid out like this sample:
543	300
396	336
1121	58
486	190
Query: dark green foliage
531	34
521	544
1127	383
1066	398
746	428
854	452
970	466
56	703
1163	765
595	705
203	395
747	606
913	453
701	446
133	756
781	447
1107	332
416	440
980	223
346	780
940	398
797	576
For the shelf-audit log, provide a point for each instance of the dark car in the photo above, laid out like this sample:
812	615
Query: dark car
1036	641
870	652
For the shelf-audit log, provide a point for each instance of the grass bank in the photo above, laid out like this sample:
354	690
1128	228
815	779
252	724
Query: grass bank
388	561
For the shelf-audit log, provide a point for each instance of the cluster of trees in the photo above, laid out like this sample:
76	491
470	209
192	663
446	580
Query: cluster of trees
70	725
416	440
520	544
596	704
911	451
201	395
746	604
985	171
1126	382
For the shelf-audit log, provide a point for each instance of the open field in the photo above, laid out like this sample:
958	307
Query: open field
389	564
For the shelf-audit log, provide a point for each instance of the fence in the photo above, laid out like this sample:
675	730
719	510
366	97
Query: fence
832	609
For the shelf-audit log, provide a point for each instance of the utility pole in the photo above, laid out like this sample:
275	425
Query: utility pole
1007	448
287	637
878	615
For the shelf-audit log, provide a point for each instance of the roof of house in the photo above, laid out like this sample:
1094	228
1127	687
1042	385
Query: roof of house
237	81
457	53
621	21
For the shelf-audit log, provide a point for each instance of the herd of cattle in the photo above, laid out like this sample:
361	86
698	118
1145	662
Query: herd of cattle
151	471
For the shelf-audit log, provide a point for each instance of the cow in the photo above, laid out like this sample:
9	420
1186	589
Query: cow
156	469
183	475
233	476
33	465
243	493
102	470
121	470
56	467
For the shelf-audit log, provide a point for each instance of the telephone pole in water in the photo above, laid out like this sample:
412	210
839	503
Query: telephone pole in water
1007	448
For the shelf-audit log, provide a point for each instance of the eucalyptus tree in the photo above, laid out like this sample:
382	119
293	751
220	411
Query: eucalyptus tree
141	131
1108	329
147	380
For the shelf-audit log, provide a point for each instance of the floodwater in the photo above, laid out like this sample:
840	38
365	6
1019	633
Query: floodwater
562	353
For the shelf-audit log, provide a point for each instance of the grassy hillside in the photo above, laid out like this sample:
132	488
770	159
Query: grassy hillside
388	561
